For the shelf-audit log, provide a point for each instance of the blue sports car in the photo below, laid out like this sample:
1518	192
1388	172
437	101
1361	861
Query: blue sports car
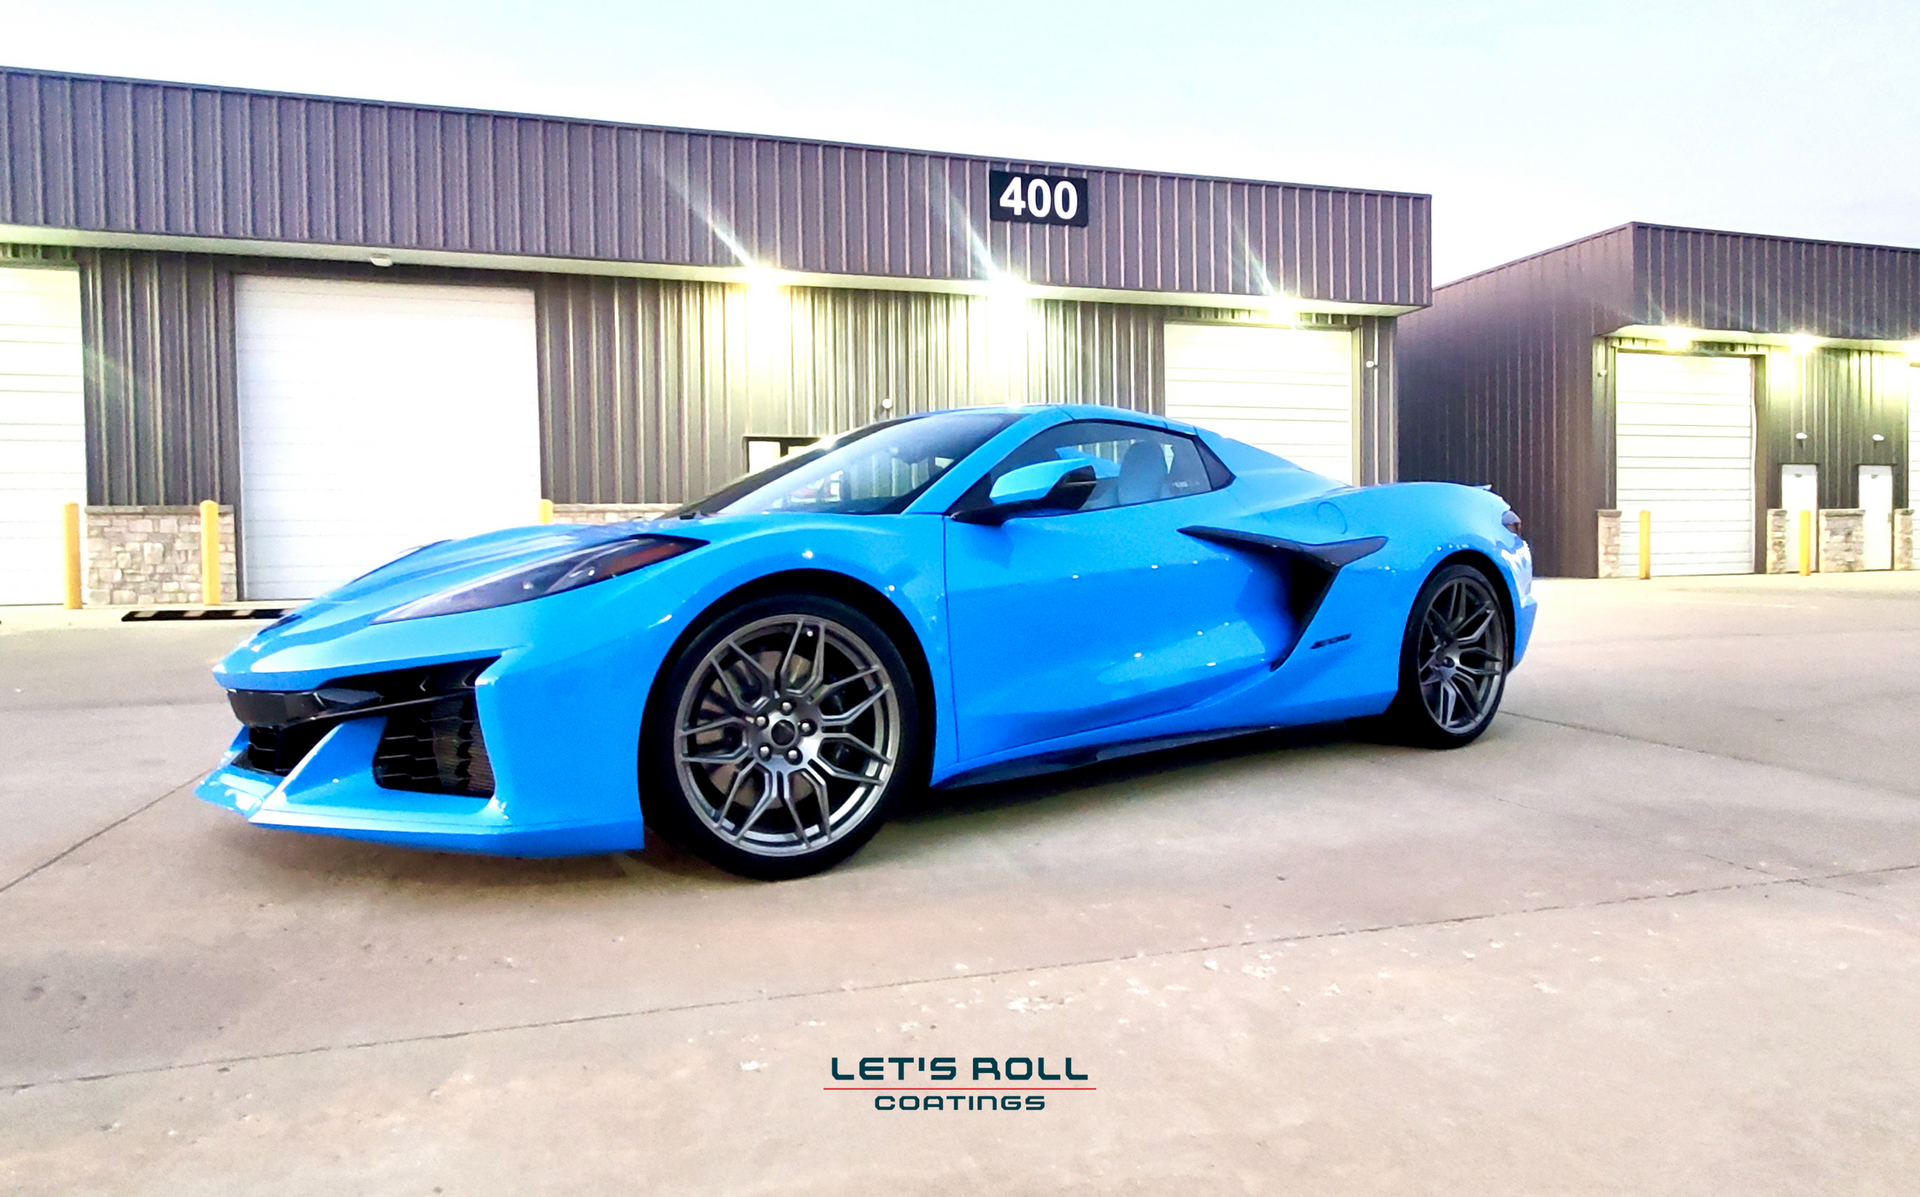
929	601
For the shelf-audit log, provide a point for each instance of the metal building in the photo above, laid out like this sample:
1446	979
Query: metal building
1720	382
364	325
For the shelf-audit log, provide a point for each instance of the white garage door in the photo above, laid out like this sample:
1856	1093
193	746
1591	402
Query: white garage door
1286	390
1684	452
43	450
375	417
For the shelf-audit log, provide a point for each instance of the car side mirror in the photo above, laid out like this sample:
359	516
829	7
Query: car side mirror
1061	485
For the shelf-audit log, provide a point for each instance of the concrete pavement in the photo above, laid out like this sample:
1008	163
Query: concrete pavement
1655	933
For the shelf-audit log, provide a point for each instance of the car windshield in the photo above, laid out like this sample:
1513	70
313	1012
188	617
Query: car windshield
876	470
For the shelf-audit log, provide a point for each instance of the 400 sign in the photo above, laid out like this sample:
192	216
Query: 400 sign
1038	199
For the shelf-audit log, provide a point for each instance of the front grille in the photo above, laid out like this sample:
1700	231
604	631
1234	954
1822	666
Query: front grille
432	741
279	749
436	749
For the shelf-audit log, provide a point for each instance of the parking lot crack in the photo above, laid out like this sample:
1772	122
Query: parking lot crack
70	849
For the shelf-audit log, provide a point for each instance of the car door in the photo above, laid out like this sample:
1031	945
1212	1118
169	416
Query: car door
1064	622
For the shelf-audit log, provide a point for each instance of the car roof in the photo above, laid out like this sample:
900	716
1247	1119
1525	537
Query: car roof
1073	411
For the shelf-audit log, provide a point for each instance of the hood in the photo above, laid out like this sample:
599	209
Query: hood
437	567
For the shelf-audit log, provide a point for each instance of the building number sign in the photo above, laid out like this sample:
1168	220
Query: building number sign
1037	199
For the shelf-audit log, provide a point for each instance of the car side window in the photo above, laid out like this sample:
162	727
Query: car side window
1131	464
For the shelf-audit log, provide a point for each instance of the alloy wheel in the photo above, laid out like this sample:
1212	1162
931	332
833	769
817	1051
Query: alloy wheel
787	735
1462	654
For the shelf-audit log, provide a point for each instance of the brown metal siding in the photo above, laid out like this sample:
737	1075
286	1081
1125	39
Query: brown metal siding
1839	398
649	388
1712	280
1497	387
122	156
1508	378
159	380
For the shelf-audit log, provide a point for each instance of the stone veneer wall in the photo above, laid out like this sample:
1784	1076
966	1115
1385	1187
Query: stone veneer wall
609	513
1781	547
1903	538
1843	540
1609	565
148	556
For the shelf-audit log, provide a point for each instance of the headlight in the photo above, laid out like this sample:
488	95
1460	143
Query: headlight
580	568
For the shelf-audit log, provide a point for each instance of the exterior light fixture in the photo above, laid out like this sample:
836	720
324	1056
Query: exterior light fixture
1677	338
1799	436
381	260
762	281
1006	287
1802	344
1877	438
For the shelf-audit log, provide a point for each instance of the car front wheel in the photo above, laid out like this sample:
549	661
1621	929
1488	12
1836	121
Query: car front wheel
781	736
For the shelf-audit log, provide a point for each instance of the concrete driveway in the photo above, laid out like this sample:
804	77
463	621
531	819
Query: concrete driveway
1654	933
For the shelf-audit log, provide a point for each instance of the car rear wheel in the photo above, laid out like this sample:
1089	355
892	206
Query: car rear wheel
782	734
1453	660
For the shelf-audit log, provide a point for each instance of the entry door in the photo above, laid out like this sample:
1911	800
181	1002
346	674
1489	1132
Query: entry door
43	454
1068	623
1800	497
1289	391
1683	441
377	417
1876	501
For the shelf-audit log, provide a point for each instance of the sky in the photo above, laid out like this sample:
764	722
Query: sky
1529	124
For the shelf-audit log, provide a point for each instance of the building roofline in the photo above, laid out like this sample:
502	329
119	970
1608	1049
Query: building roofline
1538	253
1677	228
1681	228
598	122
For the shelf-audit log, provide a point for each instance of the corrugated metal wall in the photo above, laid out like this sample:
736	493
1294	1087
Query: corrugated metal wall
159	382
1508	378
1703	279
1840	398
1497	386
648	388
79	152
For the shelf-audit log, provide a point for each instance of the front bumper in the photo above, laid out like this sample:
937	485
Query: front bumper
560	706
333	791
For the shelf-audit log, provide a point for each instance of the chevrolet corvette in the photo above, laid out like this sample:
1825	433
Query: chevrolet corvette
936	600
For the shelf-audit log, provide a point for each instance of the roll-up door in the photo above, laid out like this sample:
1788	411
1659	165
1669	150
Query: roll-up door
1684	452
43	451
1286	390
376	417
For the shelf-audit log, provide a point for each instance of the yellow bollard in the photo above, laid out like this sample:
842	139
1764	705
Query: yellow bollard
1646	545
546	511
209	553
70	519
1806	543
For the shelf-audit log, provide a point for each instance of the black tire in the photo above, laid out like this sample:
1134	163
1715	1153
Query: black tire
779	738
1454	659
